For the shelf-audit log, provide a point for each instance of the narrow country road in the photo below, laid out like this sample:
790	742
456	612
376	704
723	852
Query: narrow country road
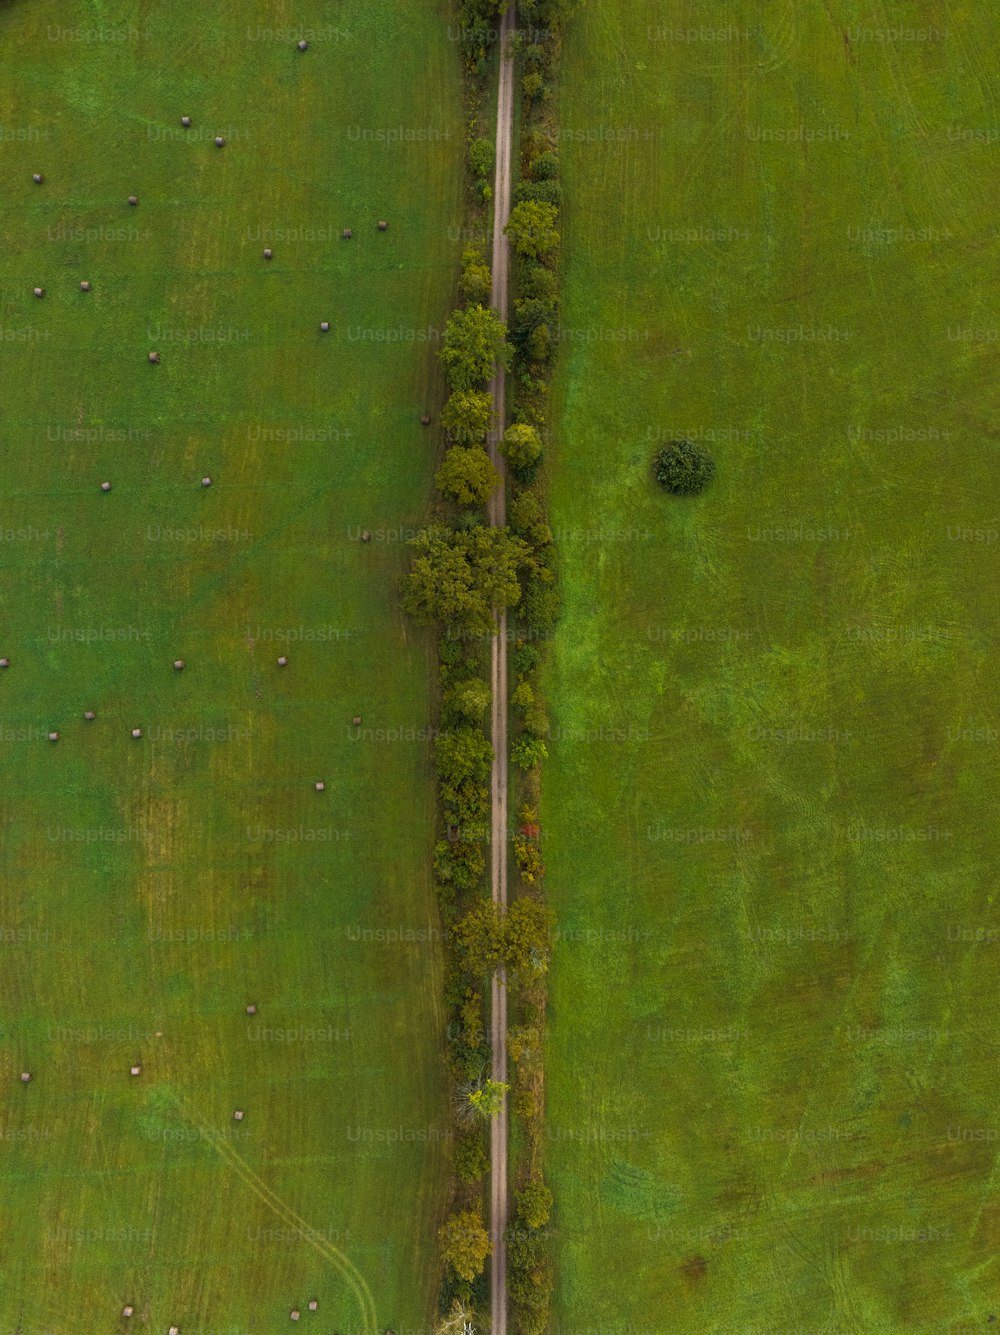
498	678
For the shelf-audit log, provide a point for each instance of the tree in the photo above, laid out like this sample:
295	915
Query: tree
471	1160
459	1321
476	282
546	166
527	752
522	697
532	228
532	84
465	1244
474	339
488	1100
459	578
521	445
470	698
684	467
528	927
463	754
468	415
467	475
480	939
534	1203
528	859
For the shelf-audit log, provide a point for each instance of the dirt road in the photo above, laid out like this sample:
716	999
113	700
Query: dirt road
498	676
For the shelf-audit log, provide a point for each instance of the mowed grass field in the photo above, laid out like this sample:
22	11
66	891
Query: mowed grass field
769	811
152	888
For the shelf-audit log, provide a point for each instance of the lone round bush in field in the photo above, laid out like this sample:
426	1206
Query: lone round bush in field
684	468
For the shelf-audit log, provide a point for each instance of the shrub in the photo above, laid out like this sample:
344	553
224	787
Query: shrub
471	1160
546	166
524	1104
534	1203
526	656
684	467
527	752
539	282
547	192
536	723
532	84
522	697
476	283
540	604
521	445
528	859
482	157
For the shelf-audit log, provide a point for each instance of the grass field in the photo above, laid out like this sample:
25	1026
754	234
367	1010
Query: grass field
152	888
770	836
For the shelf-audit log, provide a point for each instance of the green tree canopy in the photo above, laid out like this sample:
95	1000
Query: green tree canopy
527	932
467	474
474	339
532	228
459	577
465	1244
470	698
462	754
468	415
684	467
521	444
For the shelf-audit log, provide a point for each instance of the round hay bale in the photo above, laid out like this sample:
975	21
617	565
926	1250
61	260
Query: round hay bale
39	291
133	200
282	661
154	358
25	1077
383	226
105	486
89	715
425	420
269	253
252	1009
238	1115
53	737
135	1070
320	786
137	733
314	1304
85	286
4	662
356	720
186	122
128	1309
206	481
179	665
325	326
294	1314
38	178
366	535
346	234
303	45
219	141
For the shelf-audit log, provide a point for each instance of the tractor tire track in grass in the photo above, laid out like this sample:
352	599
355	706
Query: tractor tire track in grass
338	1259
